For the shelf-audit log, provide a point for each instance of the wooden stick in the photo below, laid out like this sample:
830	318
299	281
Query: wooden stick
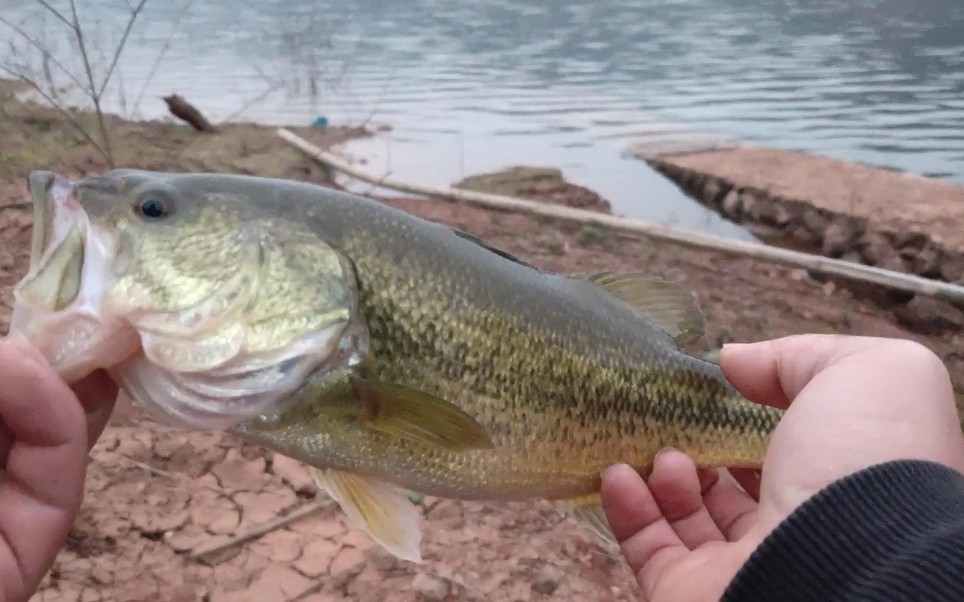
836	267
184	110
257	531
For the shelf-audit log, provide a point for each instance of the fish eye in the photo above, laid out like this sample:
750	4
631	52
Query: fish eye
155	206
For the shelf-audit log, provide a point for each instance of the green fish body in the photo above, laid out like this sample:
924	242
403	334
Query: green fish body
458	371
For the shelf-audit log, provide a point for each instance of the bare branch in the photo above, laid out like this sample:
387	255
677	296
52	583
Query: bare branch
120	45
267	92
48	57
95	96
160	55
55	12
73	121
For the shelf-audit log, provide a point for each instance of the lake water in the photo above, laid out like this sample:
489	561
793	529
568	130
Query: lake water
476	86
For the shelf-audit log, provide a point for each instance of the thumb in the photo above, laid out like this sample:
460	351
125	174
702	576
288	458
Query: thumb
774	372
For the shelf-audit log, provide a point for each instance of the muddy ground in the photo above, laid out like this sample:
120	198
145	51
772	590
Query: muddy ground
157	496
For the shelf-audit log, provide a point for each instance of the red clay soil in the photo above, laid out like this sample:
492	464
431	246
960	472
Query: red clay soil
156	494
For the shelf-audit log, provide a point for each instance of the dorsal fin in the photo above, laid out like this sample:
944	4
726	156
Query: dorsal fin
488	247
668	305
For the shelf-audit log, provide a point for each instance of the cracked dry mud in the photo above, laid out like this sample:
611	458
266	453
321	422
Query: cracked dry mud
155	494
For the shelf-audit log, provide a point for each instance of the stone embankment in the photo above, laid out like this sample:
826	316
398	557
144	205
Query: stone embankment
898	221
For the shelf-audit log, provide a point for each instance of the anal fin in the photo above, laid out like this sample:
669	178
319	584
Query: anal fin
380	509
588	510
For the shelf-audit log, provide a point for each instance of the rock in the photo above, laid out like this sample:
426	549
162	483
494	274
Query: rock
547	580
782	214
429	588
952	267
839	236
929	316
761	210
731	203
747	201
815	221
713	191
912	238
875	247
927	261
545	184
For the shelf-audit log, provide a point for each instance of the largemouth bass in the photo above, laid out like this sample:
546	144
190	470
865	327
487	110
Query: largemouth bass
385	351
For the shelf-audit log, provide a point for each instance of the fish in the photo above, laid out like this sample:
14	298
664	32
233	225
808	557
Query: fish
388	353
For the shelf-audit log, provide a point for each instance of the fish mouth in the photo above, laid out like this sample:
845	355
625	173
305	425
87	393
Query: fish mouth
57	304
57	244
41	184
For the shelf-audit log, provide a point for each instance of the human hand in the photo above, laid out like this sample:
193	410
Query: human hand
46	430
857	401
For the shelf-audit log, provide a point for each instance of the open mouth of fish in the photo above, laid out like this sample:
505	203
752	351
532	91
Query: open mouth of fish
57	303
66	307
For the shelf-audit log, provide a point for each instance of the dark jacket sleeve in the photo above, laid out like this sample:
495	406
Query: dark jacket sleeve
891	532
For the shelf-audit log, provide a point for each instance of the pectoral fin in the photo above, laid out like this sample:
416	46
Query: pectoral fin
670	306
713	355
417	416
378	508
588	510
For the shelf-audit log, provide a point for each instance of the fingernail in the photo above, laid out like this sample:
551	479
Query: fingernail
615	469
731	348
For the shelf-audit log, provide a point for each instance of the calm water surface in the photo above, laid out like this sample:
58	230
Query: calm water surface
476	86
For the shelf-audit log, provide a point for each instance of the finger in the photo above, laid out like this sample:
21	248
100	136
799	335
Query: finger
97	394
6	440
774	372
731	508
45	466
675	485
749	479
636	520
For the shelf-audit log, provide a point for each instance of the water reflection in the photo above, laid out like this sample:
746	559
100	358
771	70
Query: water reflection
473	86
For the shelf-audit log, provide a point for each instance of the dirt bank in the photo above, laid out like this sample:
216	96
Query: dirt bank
155	494
544	184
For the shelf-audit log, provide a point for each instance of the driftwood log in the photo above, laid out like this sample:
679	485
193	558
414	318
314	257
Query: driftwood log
184	110
849	270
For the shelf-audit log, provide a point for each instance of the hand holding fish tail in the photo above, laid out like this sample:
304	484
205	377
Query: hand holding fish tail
852	403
